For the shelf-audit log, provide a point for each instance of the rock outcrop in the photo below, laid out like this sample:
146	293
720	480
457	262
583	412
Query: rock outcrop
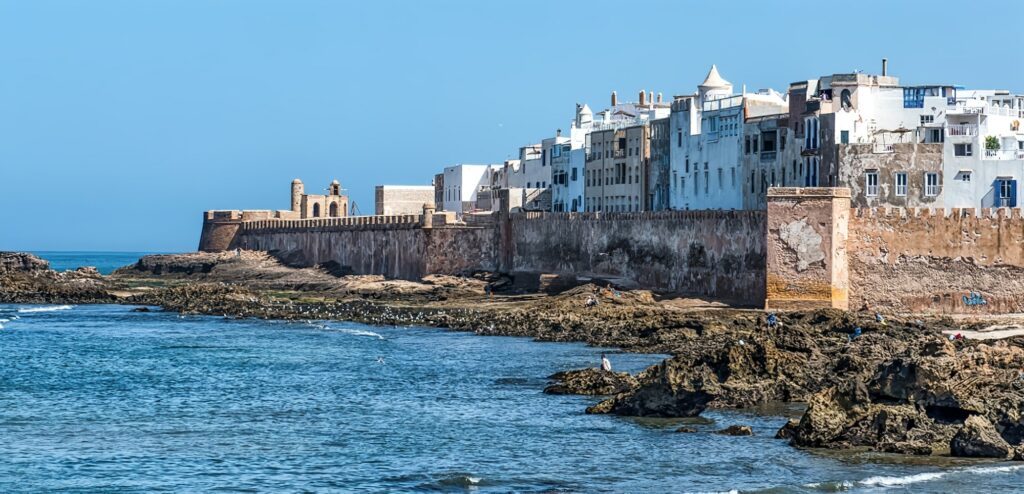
978	438
25	278
591	381
934	399
736	430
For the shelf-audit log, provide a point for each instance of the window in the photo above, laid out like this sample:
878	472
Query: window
746	145
901	184
965	176
844	137
931	184
927	119
720	179
1007	190
574	174
706	179
732	174
679	139
687	165
963	150
871	183
768	141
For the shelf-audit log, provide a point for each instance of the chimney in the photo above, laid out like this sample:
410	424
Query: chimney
643	97
659	97
885	66
558	133
650	97
615	99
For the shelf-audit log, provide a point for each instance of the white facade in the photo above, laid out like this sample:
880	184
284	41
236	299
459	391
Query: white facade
462	183
568	159
983	154
706	148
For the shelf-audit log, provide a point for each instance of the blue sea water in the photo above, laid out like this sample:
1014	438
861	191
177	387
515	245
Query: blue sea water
102	399
104	262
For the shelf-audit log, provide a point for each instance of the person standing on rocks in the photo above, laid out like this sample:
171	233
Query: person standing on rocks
606	365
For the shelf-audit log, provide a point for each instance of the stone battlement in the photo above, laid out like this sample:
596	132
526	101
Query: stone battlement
953	213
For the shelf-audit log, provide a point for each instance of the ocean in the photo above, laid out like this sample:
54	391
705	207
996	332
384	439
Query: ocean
104	262
103	399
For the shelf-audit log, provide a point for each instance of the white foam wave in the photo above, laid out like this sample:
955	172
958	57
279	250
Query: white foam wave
885	482
30	310
4	320
898	481
355	332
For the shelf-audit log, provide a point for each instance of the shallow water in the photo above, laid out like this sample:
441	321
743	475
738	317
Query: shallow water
99	399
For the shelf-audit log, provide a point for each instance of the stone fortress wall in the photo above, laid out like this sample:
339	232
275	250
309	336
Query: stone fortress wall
809	249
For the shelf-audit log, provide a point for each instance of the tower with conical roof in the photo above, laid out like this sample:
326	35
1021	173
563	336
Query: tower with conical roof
714	86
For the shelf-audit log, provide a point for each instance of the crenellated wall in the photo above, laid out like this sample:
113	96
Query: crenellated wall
938	261
808	250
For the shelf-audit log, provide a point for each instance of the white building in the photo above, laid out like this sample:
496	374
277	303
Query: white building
568	159
983	154
708	140
462	183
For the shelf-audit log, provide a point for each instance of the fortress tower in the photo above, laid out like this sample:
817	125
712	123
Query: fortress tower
297	190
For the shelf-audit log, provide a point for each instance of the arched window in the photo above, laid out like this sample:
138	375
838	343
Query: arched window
316	210
334	210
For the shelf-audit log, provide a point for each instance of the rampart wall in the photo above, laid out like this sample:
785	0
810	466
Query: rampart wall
717	254
937	261
808	250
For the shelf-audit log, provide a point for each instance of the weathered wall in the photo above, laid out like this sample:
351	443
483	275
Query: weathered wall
914	159
922	260
369	245
718	254
806	245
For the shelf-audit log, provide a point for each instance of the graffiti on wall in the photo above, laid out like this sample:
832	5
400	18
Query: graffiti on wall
974	298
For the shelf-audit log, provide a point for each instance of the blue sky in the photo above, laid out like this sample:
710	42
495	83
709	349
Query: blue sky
122	120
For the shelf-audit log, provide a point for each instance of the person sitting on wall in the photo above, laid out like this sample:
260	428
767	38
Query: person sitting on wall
591	301
879	318
606	365
773	320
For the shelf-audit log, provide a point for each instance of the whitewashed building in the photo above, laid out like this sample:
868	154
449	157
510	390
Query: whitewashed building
984	150
708	141
462	183
568	160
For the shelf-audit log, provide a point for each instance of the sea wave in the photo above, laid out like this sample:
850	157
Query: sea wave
901	481
29	310
355	332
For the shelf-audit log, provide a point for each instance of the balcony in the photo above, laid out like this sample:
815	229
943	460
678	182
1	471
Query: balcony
883	149
962	130
1003	154
619	153
768	155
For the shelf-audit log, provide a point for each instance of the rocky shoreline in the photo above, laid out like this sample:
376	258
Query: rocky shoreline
898	385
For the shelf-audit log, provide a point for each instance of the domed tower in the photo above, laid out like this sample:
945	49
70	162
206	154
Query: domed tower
714	86
335	188
584	116
297	191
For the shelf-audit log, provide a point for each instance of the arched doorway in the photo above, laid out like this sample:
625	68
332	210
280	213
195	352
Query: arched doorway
334	210
316	210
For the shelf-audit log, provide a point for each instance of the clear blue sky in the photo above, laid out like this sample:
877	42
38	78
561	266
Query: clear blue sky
122	120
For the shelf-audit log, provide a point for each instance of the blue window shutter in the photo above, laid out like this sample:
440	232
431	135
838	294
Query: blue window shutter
1013	193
